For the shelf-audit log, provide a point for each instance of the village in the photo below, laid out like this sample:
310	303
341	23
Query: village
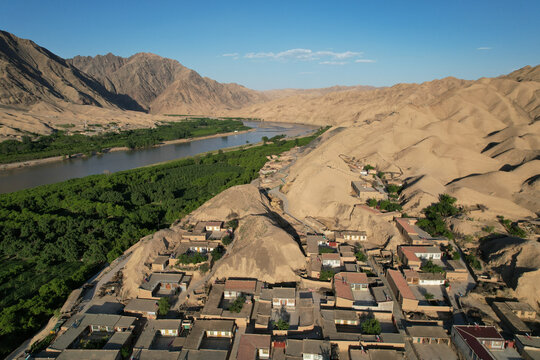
354	299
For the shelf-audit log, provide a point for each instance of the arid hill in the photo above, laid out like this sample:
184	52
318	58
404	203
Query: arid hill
161	85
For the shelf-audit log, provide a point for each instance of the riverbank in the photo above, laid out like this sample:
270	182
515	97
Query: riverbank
28	163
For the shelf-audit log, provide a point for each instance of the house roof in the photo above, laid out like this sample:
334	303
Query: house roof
427	331
430	276
353	233
331	256
472	333
343	281
214	223
401	284
88	354
158	278
381	294
519	306
406	225
345	315
196	335
284	293
411	252
160	260
141	305
532	341
250	343
457	265
410	274
247	286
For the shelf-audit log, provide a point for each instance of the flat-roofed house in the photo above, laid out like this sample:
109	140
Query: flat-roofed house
307	349
528	346
346	252
522	310
456	271
505	313
350	287
147	308
214	225
236	287
254	347
365	192
203	329
401	290
283	297
332	260
413	256
477	342
203	247
160	263
353	236
416	236
162	284
425	278
427	334
81	325
313	242
196	236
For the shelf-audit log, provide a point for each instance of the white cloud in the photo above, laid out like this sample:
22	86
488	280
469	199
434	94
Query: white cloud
303	55
333	63
483	48
364	61
231	54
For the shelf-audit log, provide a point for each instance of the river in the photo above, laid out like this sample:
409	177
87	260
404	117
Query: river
49	173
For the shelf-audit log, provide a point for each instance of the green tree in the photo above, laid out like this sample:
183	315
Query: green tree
372	203
163	306
237	304
371	327
281	325
428	296
430	267
360	256
326	274
226	240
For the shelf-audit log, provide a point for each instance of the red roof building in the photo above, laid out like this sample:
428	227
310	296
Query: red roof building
480	340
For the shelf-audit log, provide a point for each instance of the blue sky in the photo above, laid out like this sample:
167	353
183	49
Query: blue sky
294	44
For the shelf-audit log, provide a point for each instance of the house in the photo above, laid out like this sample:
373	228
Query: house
477	342
160	263
456	271
425	278
283	297
346	252
254	347
306	349
528	347
426	334
90	354
509	318
414	235
196	236
147	308
401	290
346	317
314	266
422	278
365	192
162	328
351	288
313	242
163	284
522	310
353	236
210	329
214	225
413	256
80	328
236	287
332	260
217	305
203	246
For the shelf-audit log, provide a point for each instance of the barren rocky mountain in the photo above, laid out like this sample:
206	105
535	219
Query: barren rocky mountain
31	74
161	85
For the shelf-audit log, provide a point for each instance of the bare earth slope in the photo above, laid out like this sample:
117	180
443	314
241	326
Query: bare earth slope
161	85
